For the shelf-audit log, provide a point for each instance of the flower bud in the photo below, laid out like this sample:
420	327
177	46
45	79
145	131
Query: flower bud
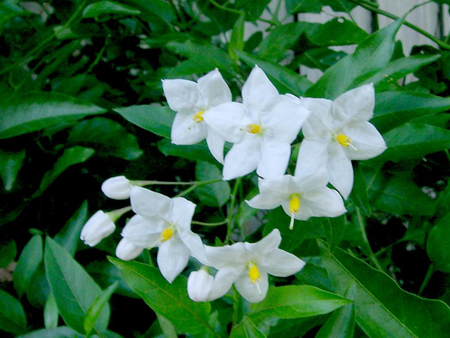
127	251
199	285
99	226
117	188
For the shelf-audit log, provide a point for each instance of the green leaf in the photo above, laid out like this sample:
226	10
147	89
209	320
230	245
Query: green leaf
108	7
339	5
195	152
237	38
214	194
303	6
158	8
334	229
246	329
8	253
438	244
297	301
12	315
38	110
284	79
51	314
414	141
380	304
73	288
115	142
359	192
71	156
57	332
166	327
158	120
169	300
97	306
10	165
69	235
372	55
28	263
443	202
336	32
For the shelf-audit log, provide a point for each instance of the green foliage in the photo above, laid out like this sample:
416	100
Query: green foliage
12	315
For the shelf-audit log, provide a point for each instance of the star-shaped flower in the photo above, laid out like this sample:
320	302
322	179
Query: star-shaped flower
262	134
338	132
193	102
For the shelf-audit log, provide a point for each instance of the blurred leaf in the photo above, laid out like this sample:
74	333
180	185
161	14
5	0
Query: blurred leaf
28	263
245	212
314	274
195	152
97	306
38	289
153	8
73	288
237	38
57	332
372	55
438	244
284	79
392	109
166	327
443	202
334	229
8	253
115	142
336	32
303	6
51	314
359	192
71	156
246	329
38	110
215	194
169	300
108	7
12	315
69	235
380	303
10	165
158	120
297	301
339	5
414	141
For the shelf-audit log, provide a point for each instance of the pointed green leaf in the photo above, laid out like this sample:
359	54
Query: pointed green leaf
108	7
214	194
336	32
246	329
237	38
12	315
97	306
381	305
51	314
8	253
195	152
334	229
438	244
303	6
28	263
10	164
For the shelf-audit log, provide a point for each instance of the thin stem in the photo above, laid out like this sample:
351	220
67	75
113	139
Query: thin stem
195	186
275	13
427	278
362	227
231	10
231	210
210	224
142	183
386	248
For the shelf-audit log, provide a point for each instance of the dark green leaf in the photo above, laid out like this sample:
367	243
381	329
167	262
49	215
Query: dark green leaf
246	329
73	288
8	253
443	202
35	111
237	38
10	164
51	314
158	8
97	306
359	191
12	315
334	229
108	7
381	305
339	5
214	194
158	120
169	300
438	244
57	332
28	263
336	32
303	6
195	152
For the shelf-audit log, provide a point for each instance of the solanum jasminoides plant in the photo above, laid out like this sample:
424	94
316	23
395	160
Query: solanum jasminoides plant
168	172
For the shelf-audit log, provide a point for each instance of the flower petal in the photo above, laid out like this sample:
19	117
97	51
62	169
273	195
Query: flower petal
311	161
281	263
214	89
215	144
324	202
127	251
356	104
186	131
182	95
223	281
228	255
264	246
143	232
172	258
271	192
340	169
195	246
148	203
181	213
274	158
199	285
366	139
319	122
250	291
242	158
258	93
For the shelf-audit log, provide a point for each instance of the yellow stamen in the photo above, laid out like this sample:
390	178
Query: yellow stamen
254	128
294	207
198	117
166	234
253	273
343	140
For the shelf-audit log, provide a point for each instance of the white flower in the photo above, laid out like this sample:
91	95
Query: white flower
164	222
338	132
117	188
302	196
199	285
99	226
263	134
127	251
248	265
193	102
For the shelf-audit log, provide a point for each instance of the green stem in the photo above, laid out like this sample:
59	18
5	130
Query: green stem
370	253
231	210
231	10
427	278
275	13
194	186
386	248
210	224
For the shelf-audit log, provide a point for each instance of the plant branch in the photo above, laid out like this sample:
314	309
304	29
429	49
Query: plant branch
370	253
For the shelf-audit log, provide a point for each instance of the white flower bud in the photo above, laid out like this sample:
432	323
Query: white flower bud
117	188
199	285
99	226
127	251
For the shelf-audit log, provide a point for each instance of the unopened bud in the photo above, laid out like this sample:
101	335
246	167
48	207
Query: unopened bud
117	188
99	226
127	251
199	285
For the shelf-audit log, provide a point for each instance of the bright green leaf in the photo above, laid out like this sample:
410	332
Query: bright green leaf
166	327
28	263
334	229
10	164
12	315
108	7
97	306
214	194
336	32
438	244
57	332
195	152
246	329
51	314
237	38
8	253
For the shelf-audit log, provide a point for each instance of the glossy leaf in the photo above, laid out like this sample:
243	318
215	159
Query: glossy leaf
57	332
169	300
108	7
246	329
214	194
28	263
35	111
51	314
73	288
12	315
438	244
8	253
380	304
10	165
195	152
158	120
97	306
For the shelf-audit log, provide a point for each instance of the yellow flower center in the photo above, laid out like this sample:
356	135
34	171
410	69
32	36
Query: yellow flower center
343	140
253	273
197	118
294	204
166	234
254	128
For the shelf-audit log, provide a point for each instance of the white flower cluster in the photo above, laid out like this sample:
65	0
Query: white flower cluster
261	129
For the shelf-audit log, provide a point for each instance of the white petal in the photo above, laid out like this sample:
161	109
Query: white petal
356	104
280	263
312	158
182	95
306	181
199	285
274	158
272	192
215	144
265	245
127	251
324	202
229	120
172	258
214	89
99	226
223	281
143	232
366	139
340	169
148	203
181	213
228	255
195	246
117	188
186	131
319	123
250	291
242	158
258	93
